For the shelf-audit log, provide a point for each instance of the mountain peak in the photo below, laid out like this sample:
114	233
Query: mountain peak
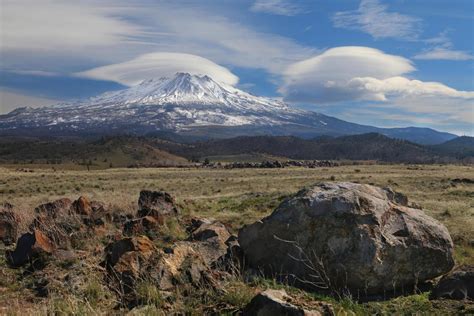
187	89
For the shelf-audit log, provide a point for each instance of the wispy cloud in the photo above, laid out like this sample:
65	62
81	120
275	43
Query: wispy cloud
222	39
10	100
48	25
278	7
440	53
441	48
373	18
68	35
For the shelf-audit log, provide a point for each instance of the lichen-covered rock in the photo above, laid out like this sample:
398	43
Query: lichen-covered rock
457	285
193	260
348	236
8	224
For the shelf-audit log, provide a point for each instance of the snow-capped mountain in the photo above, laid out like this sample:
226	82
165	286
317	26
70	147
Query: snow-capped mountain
184	104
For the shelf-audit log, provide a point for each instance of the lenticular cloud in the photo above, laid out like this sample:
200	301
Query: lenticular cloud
156	65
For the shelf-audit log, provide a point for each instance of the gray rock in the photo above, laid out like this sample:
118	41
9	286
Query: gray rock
457	285
348	236
277	303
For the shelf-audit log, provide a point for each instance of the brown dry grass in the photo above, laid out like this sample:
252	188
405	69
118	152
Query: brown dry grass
236	197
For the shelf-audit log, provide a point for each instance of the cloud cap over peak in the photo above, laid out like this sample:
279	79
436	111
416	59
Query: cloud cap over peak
161	64
324	78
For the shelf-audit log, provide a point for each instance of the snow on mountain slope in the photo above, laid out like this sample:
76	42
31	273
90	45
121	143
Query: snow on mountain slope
172	103
188	89
186	104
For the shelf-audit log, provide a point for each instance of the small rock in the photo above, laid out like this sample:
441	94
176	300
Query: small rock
55	209
456	285
30	246
82	206
277	303
125	259
157	204
8	224
116	250
208	230
140	226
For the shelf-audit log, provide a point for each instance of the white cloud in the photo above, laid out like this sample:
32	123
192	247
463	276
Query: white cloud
439	53
40	73
155	65
66	35
442	49
51	25
373	18
221	39
278	7
348	74
326	77
380	90
10	100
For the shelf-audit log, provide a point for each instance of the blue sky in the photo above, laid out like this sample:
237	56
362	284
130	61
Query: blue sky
384	63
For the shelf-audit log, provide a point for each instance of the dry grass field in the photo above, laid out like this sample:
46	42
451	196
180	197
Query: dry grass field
241	196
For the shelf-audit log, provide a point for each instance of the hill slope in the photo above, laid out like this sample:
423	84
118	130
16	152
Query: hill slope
357	147
460	147
103	153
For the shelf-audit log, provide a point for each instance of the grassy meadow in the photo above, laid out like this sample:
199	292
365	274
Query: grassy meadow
240	196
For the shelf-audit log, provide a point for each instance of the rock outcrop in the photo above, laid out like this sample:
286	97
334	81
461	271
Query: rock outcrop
348	236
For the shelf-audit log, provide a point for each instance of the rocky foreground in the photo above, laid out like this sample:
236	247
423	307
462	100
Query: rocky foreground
340	239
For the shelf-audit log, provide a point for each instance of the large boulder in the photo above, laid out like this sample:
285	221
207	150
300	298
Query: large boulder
457	285
348	236
8	224
157	204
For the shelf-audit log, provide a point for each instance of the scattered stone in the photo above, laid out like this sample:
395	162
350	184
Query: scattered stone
53	210
146	225
30	246
456	285
278	303
462	181
125	261
193	261
82	206
210	230
8	224
347	236
272	164
182	263
157	204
